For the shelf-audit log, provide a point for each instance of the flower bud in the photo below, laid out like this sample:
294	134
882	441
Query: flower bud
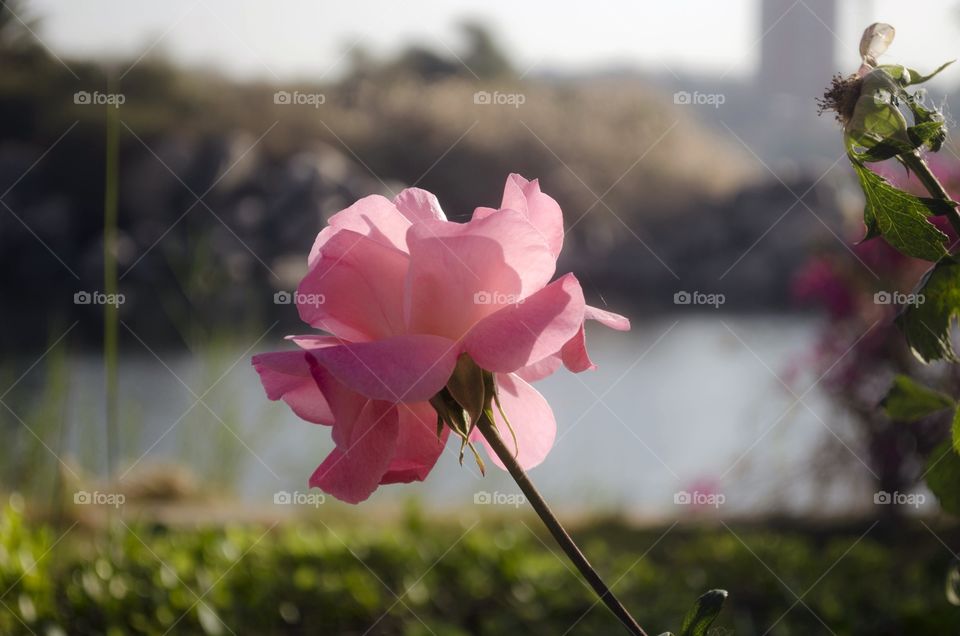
875	117
874	42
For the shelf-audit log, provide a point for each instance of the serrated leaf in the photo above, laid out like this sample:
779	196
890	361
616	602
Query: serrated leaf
909	401
927	325
943	477
899	217
703	613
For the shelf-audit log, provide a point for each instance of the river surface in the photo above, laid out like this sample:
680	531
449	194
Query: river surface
685	403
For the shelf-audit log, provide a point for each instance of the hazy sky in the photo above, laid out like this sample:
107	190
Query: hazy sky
290	38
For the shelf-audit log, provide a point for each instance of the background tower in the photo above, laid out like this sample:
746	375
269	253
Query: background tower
799	45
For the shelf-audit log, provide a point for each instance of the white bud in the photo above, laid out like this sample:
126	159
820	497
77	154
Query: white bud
875	41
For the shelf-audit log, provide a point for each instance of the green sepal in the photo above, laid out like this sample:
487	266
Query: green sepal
466	385
908	76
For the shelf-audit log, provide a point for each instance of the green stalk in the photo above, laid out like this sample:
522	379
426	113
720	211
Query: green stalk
110	281
537	502
929	180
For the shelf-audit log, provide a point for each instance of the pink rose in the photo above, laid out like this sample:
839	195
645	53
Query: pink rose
403	293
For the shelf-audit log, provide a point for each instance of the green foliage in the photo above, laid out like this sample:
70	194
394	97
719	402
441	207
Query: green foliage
491	579
909	401
927	325
899	217
703	613
943	475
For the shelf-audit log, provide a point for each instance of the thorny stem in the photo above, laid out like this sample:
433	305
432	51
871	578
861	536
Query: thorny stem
550	520
929	180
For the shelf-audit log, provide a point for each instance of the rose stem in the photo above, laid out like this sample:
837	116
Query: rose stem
929	180
550	520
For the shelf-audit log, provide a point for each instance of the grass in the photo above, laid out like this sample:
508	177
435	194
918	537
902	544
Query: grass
419	575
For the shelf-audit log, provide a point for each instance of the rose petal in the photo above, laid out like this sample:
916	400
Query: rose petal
373	216
418	446
410	368
419	205
541	209
607	318
540	369
355	289
574	353
461	272
352	471
529	331
345	404
286	376
531	418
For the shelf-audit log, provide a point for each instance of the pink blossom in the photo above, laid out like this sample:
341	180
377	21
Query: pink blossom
819	281
404	293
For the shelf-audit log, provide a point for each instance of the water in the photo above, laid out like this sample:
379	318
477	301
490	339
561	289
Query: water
686	402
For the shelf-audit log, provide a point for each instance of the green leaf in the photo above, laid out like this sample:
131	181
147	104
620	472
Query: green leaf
703	613
909	401
899	217
943	477
927	325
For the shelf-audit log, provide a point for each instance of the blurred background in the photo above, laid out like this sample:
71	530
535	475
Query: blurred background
164	169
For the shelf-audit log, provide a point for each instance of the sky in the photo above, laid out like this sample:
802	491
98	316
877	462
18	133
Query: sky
290	39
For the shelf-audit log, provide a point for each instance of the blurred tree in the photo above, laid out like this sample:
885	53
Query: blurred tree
484	56
481	58
16	27
423	64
